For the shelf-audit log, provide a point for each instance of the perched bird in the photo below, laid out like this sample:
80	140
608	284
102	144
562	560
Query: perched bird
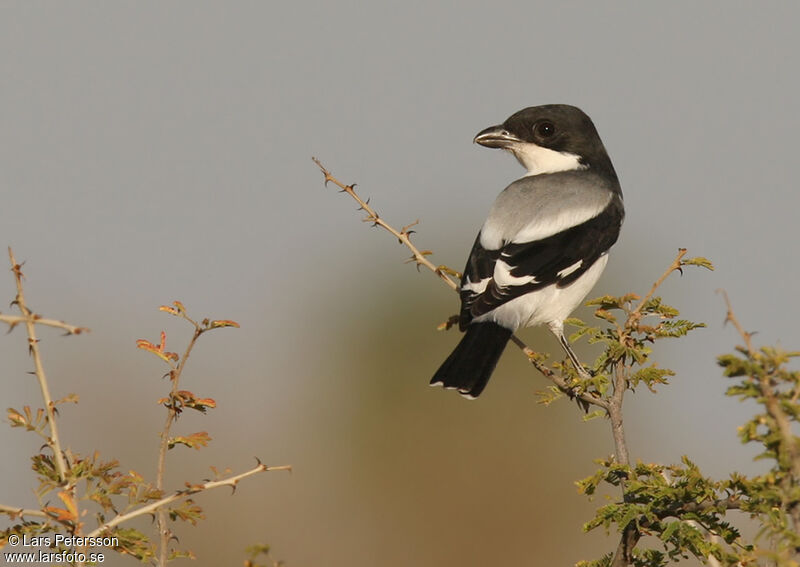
544	244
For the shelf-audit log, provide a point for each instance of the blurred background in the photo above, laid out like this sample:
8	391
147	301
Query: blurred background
162	152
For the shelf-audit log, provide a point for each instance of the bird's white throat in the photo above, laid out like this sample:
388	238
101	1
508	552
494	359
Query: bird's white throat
538	160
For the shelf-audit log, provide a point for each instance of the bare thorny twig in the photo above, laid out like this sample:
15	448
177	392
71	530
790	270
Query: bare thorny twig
30	319
158	505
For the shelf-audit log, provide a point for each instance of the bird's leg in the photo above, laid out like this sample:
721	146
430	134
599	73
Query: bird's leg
575	362
557	329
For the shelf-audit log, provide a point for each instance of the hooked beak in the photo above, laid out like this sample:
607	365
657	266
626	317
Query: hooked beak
496	137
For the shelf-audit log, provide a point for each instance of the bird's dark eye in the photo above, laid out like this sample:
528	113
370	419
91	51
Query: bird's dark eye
544	129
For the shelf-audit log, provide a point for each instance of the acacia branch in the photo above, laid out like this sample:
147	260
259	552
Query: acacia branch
773	407
675	266
14	320
185	493
771	401
615	414
730	317
559	381
620	379
445	274
30	320
172	415
403	235
623	556
14	512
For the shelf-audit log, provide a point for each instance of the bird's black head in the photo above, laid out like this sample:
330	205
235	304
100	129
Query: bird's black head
548	139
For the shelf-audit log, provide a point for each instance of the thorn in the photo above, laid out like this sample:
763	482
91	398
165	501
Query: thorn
405	230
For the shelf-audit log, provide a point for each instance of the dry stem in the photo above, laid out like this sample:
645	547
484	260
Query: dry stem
180	494
17	512
172	414
14	320
403	235
30	320
676	265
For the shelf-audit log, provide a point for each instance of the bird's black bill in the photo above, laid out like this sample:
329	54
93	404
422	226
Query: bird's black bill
496	137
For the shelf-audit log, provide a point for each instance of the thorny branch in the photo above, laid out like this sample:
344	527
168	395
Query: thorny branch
20	512
14	320
772	405
31	319
676	265
172	414
630	534
159	505
403	235
445	274
620	379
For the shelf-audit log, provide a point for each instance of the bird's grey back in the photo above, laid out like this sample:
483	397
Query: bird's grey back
532	203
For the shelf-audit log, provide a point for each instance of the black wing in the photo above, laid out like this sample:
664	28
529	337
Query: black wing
543	259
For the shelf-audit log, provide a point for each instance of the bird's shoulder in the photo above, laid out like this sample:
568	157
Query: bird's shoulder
539	205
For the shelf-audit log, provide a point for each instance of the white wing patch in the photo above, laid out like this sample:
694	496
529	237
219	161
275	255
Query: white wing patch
476	287
568	270
503	278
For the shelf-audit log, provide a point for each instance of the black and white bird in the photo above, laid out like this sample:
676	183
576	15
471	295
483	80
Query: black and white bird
544	244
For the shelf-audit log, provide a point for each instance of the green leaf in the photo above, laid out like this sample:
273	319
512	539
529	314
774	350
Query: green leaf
671	528
651	376
594	415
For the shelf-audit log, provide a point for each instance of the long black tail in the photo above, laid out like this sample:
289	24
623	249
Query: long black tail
471	364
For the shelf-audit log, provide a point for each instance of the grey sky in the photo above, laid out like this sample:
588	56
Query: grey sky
152	153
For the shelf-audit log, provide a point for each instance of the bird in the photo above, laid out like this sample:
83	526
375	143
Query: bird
544	244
